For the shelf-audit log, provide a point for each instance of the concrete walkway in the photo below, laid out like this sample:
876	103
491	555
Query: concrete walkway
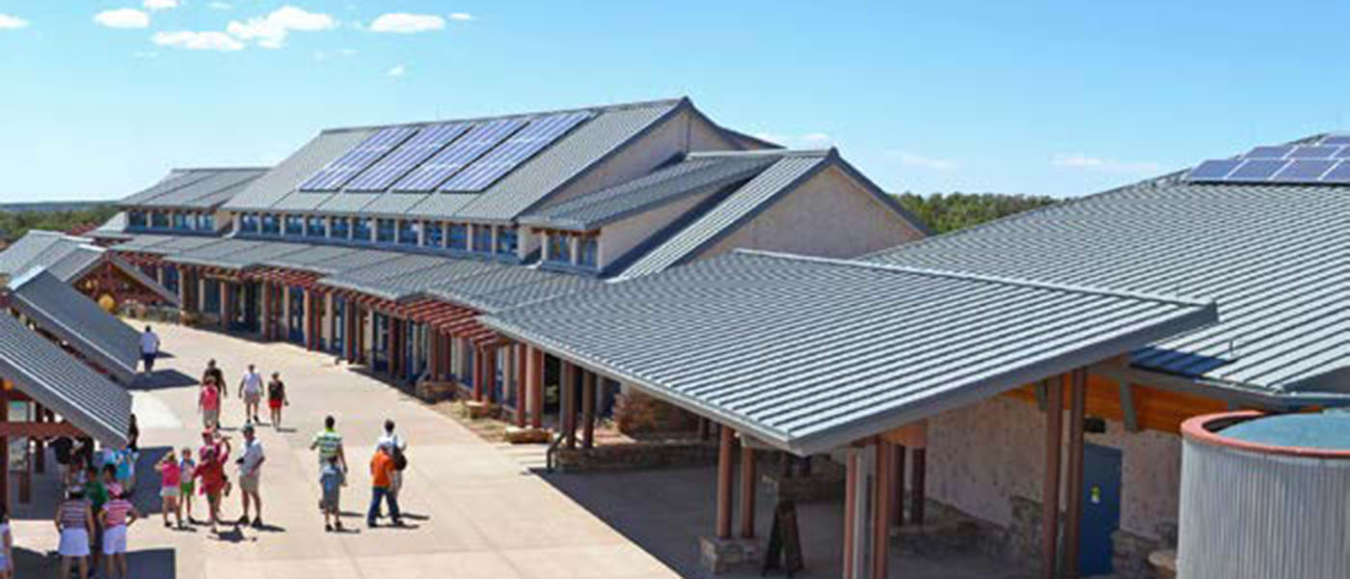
475	511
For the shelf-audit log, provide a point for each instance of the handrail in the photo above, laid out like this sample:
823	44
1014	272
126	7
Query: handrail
552	448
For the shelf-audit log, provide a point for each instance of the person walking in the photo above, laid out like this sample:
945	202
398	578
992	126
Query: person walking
186	466
381	467
208	404
149	350
211	471
75	523
397	446
117	516
250	461
251	390
213	372
329	444
331	480
170	488
276	398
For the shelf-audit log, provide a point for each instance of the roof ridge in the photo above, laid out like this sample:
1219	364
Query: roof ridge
1056	286
592	108
217	169
763	153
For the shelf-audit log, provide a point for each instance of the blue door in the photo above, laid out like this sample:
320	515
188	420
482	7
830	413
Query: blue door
1101	508
296	321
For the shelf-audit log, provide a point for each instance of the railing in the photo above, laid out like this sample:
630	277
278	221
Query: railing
552	448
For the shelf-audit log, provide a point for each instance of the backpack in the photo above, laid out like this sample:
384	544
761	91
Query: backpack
400	459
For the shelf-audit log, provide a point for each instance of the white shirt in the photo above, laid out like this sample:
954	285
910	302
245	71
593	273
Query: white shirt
253	454
149	343
253	383
392	440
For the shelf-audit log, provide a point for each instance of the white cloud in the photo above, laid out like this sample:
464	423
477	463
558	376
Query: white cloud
404	23
271	31
925	162
1084	162
8	22
198	41
397	71
159	4
461	16
220	6
123	18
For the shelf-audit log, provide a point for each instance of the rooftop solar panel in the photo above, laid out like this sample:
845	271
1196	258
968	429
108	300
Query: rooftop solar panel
1304	170
1313	152
1344	153
1257	170
407	157
1213	170
458	155
1336	140
1338	174
1269	152
336	174
510	154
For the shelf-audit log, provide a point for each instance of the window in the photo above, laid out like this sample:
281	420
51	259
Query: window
588	251
136	219
271	225
559	248
459	237
507	238
316	226
211	297
159	220
408	232
482	238
206	222
434	234
341	228
361	229
171	278
384	230
295	225
248	223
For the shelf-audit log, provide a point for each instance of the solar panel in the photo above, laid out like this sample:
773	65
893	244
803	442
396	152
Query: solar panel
1257	170
458	155
1339	174
1343	154
336	173
1213	170
1336	140
1313	152
1304	170
407	157
519	148
1269	152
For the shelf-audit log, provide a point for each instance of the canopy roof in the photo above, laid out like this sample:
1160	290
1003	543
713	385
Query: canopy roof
57	308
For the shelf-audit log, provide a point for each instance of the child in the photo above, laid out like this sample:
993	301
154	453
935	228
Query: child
117	515
75	523
211	471
125	465
331	480
6	545
185	467
170	488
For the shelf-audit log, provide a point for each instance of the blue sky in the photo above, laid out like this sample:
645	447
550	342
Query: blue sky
100	98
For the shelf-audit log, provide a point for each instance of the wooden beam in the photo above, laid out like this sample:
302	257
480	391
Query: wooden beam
1054	416
724	450
918	486
1127	407
1074	490
518	373
881	510
536	378
39	429
588	391
568	420
747	491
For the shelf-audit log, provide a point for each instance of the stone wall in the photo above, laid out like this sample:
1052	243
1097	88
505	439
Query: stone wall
635	456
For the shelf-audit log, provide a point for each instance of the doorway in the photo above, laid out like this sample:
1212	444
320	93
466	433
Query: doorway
1101	509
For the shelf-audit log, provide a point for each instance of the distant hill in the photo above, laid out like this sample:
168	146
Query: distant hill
17	218
944	212
50	207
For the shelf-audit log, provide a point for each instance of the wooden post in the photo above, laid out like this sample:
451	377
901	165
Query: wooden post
724	450
478	374
391	353
898	485
519	373
434	364
704	430
568	420
535	376
4	452
266	311
850	509
225	305
1054	417
917	489
747	491
490	373
39	444
1073	493
881	510
588	380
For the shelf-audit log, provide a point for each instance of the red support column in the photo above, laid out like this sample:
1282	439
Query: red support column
434	363
1054	416
724	484
747	491
918	490
881	511
520	374
568	419
536	379
490	374
478	374
226	304
588	391
1073	493
266	311
898	485
39	444
850	510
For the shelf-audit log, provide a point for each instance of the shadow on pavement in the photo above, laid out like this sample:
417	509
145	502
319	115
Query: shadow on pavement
163	380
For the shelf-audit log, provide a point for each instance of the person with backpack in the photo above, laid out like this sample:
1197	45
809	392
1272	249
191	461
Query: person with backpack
381	470
397	447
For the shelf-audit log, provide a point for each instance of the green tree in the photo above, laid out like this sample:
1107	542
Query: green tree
14	224
944	212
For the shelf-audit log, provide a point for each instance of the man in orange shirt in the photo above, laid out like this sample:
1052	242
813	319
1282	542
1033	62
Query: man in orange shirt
381	474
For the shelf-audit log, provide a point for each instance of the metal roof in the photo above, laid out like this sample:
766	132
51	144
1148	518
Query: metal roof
114	228
382	279
264	192
215	254
497	291
36	246
808	354
312	258
742	204
166	245
195	188
1275	258
57	308
70	388
691	176
68	258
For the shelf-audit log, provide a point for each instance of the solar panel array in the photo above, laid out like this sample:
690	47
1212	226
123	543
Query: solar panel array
457	156
407	157
1327	161
337	173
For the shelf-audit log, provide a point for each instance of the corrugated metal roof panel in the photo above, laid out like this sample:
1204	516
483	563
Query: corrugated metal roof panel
728	214
58	308
58	381
215	254
499	293
76	263
215	188
142	241
263	193
302	201
361	258
255	256
16	258
380	278
809	354
347	203
173	245
176	179
440	205
314	255
1275	257
394	204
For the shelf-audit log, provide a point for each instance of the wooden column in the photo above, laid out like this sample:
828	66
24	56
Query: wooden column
349	330
881	510
588	380
478	374
897	485
39	444
1073	492
4	453
1054	416
851	498
747	491
534	375
391	347
434	363
225	305
490	374
704	429
266	326
917	485
724	450
568	418
520	374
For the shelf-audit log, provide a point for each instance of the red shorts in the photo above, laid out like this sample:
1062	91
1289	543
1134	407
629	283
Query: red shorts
274	404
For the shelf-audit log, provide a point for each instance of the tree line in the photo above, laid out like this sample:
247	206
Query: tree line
944	212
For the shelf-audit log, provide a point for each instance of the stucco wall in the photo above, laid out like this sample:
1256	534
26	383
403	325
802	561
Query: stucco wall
620	237
981	455
830	215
